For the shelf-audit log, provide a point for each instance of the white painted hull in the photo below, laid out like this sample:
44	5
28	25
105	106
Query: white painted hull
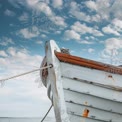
82	94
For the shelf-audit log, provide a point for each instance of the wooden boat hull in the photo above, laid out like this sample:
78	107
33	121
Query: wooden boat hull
89	92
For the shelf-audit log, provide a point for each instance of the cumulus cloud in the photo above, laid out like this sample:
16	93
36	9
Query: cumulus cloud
113	43
102	8
29	33
38	7
86	42
91	4
3	53
4	41
109	30
23	56
106	8
24	17
78	29
75	11
43	7
60	21
117	24
57	3
115	27
116	8
32	2
9	13
83	29
112	46
39	42
46	9
71	34
91	50
111	50
19	61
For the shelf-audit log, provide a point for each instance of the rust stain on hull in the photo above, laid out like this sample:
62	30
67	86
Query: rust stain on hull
85	113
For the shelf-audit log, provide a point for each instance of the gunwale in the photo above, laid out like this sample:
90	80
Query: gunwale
88	63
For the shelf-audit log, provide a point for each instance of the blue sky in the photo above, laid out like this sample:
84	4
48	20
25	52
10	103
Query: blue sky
89	28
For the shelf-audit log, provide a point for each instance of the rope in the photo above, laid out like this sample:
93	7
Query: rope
46	113
25	73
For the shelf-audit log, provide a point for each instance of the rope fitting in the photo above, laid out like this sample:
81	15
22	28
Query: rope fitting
51	65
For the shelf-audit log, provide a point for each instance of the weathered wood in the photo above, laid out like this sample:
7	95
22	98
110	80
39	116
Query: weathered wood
97	76
54	79
93	101
88	63
82	90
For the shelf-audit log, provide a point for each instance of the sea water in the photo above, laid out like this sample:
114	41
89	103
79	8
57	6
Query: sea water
22	119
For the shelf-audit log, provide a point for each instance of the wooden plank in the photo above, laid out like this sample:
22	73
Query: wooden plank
77	118
96	76
88	63
92	90
94	102
93	114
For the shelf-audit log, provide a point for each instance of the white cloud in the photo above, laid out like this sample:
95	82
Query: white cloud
110	30
9	13
43	36
22	91
71	34
3	53
59	21
40	7
115	27
117	23
91	4
96	18
39	42
18	61
29	33
11	51
46	9
111	51
78	29
113	43
91	50
24	55
57	32
103	8
86	42
32	2
43	7
24	17
6	41
75	11
57	3
83	29
106	8
116	9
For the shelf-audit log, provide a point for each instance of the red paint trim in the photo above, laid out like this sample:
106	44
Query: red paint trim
88	63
